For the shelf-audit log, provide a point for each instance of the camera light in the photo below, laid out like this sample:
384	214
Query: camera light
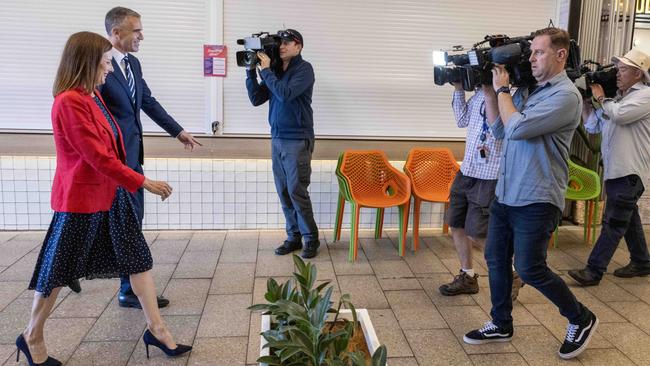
439	58
473	58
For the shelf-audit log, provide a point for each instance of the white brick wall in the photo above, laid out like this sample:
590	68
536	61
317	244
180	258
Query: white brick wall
208	194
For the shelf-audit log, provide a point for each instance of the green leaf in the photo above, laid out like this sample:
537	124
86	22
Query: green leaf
380	355
357	358
270	360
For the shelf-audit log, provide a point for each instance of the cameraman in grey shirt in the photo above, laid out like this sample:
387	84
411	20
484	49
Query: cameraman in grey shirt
533	175
625	125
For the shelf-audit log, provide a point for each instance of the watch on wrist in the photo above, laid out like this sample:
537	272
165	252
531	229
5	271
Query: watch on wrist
503	89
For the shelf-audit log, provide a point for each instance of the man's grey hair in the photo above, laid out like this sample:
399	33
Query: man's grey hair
116	16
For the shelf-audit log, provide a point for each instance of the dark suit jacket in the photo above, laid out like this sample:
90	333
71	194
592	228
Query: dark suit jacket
116	95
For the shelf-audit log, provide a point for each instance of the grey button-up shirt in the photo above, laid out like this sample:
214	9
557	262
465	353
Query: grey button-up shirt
536	143
625	124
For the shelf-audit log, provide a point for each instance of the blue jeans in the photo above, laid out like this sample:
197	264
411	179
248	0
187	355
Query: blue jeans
620	219
292	174
137	198
525	232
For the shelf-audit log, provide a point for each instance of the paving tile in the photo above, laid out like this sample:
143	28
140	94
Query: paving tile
14	249
9	291
401	361
22	270
196	265
607	291
269	240
462	319
7	235
503	359
343	267
270	265
549	316
161	273
637	313
90	302
253	347
7	350
395	275
206	241
538	346
380	249
365	291
186	296
424	261
13	319
34	236
389	333
442	246
219	351
225	316
640	291
102	353
629	339
414	310
435	347
150	236
605	313
604	357
562	261
168	251
236	250
233	278
175	235
183	328
117	324
431	282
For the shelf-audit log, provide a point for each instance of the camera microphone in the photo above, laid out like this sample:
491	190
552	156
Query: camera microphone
241	41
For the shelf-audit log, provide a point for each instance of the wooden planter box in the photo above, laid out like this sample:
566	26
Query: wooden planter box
362	316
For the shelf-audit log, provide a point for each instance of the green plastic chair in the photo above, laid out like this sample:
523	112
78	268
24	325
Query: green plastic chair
344	195
584	185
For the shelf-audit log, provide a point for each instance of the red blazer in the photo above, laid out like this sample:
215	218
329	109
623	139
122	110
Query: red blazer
89	161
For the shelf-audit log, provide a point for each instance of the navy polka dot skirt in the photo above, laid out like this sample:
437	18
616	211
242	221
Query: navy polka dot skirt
103	244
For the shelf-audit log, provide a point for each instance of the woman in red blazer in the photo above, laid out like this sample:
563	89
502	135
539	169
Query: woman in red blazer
94	232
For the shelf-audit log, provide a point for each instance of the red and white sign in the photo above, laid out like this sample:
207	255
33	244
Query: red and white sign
214	60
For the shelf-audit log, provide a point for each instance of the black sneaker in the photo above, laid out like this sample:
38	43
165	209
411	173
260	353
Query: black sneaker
489	333
633	270
288	247
585	277
578	337
311	249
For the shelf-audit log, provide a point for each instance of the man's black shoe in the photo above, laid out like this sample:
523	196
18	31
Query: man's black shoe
578	337
75	286
633	270
488	334
131	301
288	247
311	249
585	277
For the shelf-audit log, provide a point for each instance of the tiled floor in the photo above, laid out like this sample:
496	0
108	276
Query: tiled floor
211	277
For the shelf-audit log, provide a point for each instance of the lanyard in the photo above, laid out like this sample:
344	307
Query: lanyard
485	128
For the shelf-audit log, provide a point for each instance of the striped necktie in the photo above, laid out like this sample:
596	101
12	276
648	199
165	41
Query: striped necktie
129	79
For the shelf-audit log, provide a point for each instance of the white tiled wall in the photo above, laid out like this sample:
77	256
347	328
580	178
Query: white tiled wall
208	194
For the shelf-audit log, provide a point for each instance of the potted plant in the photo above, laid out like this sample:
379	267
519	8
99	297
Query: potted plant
300	327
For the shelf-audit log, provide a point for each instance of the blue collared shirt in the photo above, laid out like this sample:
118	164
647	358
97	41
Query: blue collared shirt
536	143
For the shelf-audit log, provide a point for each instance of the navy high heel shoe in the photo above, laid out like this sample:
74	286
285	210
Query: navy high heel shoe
21	346
150	340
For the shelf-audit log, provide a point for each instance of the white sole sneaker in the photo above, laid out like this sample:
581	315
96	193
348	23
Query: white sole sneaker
578	351
483	341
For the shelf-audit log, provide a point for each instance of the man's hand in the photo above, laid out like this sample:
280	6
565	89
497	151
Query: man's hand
500	77
457	85
265	61
188	140
597	91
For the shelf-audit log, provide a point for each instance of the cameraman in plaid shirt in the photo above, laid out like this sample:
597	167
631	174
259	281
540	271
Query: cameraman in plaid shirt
474	186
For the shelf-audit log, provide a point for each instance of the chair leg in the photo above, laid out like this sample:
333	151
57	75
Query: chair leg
585	225
403	226
553	240
379	223
354	233
445	227
338	220
417	203
594	222
588	220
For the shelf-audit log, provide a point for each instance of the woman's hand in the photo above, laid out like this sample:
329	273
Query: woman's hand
157	187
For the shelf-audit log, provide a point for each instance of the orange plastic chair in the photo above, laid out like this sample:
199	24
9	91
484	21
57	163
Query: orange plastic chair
373	182
432	171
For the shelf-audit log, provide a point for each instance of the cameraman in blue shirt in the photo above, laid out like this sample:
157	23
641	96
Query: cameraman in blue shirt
291	117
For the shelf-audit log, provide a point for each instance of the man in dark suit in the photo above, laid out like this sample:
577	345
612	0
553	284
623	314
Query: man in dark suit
126	93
